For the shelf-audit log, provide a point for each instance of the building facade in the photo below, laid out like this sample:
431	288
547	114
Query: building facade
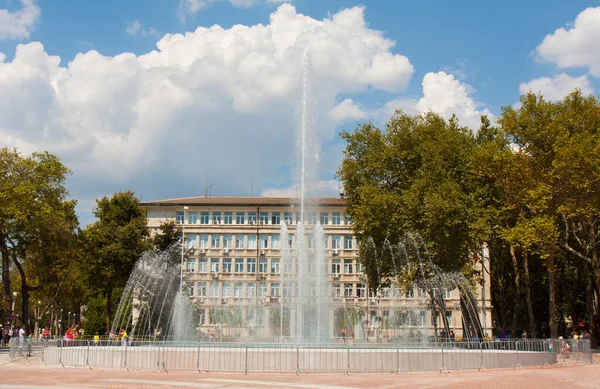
233	273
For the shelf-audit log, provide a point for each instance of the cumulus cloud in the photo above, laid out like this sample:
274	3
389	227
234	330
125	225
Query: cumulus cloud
556	88
191	7
444	94
18	25
576	45
347	110
215	101
135	27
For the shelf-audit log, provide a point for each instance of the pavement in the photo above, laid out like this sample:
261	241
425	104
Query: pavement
33	374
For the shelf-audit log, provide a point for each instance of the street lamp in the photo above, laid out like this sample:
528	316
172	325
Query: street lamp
185	208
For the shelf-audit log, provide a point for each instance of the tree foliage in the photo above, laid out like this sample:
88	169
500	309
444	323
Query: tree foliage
414	176
95	316
114	243
38	225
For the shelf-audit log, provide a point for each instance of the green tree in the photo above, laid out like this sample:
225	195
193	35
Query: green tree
168	235
95	316
414	176
114	243
38	224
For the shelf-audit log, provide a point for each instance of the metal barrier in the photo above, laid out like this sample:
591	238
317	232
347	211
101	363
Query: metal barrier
338	357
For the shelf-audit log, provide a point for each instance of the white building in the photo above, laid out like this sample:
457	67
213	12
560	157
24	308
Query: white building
233	272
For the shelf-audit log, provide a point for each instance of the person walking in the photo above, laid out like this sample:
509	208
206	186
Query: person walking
21	334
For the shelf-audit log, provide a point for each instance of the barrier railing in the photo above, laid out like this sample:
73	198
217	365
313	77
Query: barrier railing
337	357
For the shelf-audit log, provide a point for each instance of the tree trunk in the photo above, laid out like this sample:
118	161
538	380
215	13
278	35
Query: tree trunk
8	297
532	330
590	309
109	307
517	301
552	297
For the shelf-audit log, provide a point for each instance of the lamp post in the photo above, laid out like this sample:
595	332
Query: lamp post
185	208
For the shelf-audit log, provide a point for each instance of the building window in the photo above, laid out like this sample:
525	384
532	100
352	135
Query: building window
238	289
348	242
347	266
274	266
336	218
226	265
251	265
336	290
361	291
290	240
250	290
252	242
214	289
298	218
239	241
287	217
262	289
312	289
192	217
214	265
216	217
252	217
336	242
326	242
204	241
263	241
239	217
287	290
201	289
179	216
358	267
264	217
263	265
410	293
275	218
216	241
239	265
275	289
348	219
324	218
348	290
191	241
201	316
190	265
203	265
275	239
228	218
335	266
204	218
227	241
312	218
287	268
226	289
311	242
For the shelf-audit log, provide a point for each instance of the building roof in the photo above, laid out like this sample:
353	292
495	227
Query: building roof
246	201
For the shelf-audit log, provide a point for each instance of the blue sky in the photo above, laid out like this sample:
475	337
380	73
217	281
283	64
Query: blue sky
223	102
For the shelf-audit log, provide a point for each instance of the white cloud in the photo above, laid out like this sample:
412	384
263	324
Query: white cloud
191	7
558	87
444	94
18	25
135	27
347	110
323	188
577	45
215	101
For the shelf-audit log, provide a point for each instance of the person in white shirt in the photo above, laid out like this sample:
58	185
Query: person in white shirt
21	338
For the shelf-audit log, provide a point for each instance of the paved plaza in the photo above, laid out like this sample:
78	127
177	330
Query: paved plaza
32	374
